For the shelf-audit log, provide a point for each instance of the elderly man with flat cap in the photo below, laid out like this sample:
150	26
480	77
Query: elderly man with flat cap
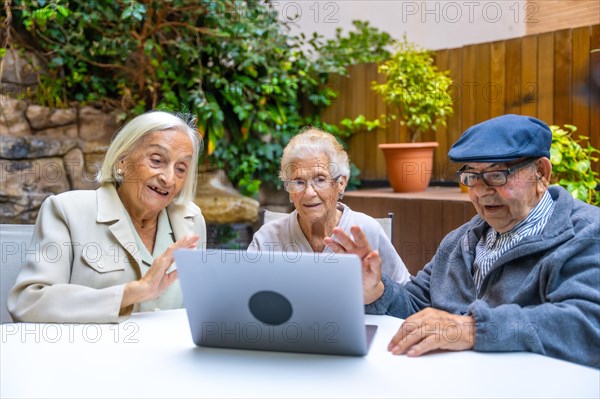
522	275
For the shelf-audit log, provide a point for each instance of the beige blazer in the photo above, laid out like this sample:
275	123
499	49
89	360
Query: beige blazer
85	254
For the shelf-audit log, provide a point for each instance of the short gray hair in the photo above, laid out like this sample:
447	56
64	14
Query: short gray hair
131	135
311	141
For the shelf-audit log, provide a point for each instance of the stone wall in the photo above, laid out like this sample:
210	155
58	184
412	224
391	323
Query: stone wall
45	151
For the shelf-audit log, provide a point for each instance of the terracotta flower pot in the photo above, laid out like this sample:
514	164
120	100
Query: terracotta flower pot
409	165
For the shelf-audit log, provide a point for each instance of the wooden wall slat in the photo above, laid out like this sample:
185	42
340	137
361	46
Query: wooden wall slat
468	80
429	135
380	134
562	77
392	134
512	100
408	217
482	78
496	91
454	123
344	99
545	74
581	79
358	106
431	214
454	215
529	81
594	132
372	113
441	136
331	113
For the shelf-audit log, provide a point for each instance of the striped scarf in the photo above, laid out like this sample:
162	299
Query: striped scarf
493	245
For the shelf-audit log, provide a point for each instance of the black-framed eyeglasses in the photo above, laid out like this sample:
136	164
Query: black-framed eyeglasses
318	183
492	177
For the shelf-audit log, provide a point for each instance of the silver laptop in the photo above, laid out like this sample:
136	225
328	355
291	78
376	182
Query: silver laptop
278	301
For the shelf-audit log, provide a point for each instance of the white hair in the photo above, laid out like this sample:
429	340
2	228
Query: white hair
132	134
311	141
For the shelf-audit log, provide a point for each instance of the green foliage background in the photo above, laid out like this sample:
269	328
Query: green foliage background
415	88
231	64
571	160
416	91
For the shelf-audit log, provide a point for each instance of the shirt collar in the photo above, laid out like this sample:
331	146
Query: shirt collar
537	215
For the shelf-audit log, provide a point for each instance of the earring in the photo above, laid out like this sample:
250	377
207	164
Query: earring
340	195
119	171
291	201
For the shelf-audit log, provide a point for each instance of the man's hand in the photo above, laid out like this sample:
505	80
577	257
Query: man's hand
371	261
432	329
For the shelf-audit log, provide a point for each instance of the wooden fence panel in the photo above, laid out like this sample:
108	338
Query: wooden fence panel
529	82
455	126
358	106
469	82
581	79
562	74
497	87
545	87
514	87
552	76
594	132
441	136
482	79
380	134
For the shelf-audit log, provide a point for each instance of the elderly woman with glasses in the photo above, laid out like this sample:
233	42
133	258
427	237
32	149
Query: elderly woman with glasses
315	171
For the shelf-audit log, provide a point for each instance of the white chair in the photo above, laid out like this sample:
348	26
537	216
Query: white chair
15	241
387	223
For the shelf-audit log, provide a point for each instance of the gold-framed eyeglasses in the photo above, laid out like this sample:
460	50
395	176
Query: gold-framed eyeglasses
318	183
492	177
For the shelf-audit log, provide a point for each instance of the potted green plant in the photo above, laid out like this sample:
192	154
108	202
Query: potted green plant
417	95
571	160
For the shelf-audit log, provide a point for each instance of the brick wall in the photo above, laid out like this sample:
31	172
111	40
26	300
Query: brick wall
551	15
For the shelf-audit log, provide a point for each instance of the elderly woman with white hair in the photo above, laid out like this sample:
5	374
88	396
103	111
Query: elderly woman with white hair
102	254
315	170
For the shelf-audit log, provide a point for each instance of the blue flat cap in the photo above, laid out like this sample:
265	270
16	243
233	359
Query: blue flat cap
503	139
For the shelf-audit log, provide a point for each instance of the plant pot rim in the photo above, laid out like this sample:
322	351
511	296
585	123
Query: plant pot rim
428	144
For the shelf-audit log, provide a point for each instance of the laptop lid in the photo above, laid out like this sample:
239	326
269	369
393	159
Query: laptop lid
293	302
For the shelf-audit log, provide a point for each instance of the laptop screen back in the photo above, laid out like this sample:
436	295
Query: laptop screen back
295	302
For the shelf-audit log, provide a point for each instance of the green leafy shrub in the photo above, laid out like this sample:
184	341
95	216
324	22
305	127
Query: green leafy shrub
416	92
250	84
571	160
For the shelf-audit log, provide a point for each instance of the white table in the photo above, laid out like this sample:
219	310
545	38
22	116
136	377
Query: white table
152	355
